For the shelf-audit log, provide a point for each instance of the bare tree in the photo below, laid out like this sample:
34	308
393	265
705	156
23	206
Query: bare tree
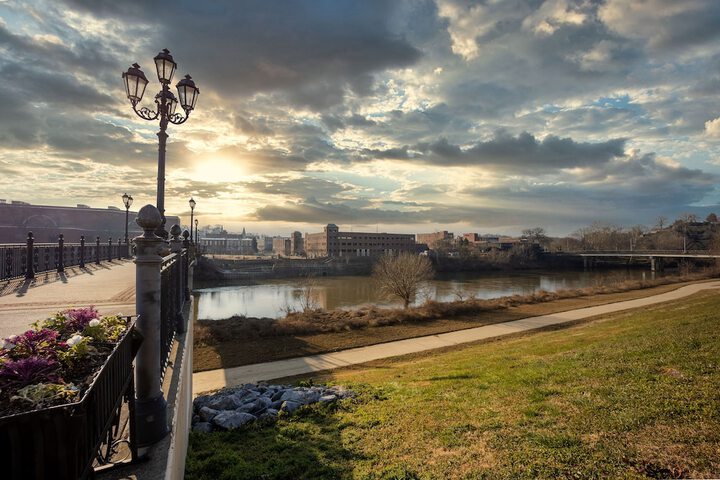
536	235
401	276
660	222
634	234
601	236
308	293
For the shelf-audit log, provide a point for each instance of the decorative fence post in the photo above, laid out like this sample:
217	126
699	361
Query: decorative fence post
119	249
186	264
97	250
82	251
30	260
61	251
151	407
110	255
176	246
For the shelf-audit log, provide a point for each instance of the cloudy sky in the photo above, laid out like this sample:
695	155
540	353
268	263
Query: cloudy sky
400	115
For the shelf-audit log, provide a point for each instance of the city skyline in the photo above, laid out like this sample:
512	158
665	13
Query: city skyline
403	116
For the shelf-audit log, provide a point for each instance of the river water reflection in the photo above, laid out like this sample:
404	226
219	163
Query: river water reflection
273	298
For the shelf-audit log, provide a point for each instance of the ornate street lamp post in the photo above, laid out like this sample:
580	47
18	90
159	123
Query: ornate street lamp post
165	103
127	201
192	211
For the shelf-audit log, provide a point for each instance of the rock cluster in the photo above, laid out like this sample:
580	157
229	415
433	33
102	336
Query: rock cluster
232	408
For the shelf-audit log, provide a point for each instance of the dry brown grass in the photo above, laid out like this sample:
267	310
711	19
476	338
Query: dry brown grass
314	321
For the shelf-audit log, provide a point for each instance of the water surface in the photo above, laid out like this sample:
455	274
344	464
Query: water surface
273	298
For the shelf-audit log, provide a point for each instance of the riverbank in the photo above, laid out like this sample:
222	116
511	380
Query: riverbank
239	341
545	405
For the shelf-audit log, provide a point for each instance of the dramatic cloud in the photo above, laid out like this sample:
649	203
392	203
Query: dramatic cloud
663	23
505	152
462	114
712	128
311	51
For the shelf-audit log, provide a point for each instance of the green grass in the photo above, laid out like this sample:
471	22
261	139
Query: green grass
631	395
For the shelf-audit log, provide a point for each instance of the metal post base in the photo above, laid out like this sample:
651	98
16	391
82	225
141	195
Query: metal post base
151	418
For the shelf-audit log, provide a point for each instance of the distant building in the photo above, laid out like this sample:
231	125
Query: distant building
248	245
435	239
331	242
471	238
282	246
297	245
490	242
266	244
217	240
46	222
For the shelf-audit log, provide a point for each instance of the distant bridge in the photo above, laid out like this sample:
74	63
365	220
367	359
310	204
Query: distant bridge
655	257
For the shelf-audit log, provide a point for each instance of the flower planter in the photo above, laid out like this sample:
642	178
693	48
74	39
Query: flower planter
63	441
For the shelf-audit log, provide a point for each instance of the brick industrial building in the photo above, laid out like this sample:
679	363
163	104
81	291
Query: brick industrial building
47	222
282	246
435	239
331	242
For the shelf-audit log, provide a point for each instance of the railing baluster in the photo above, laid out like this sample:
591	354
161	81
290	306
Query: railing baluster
61	253
82	251
8	262
31	259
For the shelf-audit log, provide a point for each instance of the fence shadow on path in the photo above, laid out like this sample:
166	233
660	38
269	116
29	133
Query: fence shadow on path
20	286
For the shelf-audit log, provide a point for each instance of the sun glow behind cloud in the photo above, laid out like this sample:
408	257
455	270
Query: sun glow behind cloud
413	115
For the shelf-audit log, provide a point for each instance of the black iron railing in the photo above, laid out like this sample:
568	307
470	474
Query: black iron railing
173	293
20	260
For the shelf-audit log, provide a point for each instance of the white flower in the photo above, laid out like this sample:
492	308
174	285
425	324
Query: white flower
8	345
94	322
74	340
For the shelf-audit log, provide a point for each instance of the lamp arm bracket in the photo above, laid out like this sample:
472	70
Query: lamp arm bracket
146	113
178	119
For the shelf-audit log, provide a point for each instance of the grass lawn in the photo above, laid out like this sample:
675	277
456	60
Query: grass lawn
630	395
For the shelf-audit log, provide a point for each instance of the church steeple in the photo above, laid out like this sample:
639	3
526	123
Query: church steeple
243	234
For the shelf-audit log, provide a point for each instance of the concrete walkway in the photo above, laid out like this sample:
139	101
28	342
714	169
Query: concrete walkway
110	287
215	379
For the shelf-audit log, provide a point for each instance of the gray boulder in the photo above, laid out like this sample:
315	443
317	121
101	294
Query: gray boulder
301	396
232	420
203	427
327	398
290	406
206	414
201	401
264	402
247	396
251	406
224	402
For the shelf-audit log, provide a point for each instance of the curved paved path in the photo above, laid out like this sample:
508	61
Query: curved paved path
215	379
110	288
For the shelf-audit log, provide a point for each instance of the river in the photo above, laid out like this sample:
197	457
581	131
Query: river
273	298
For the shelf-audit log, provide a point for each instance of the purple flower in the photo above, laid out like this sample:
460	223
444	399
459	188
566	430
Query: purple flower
27	371
78	318
34	343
